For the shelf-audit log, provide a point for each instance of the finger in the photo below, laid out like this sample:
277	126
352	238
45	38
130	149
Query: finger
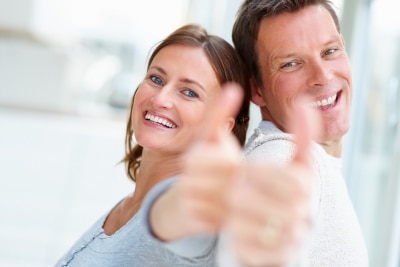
226	105
305	125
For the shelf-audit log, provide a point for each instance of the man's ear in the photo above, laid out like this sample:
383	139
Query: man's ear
256	95
343	40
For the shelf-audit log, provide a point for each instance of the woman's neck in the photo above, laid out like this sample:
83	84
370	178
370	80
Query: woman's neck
154	168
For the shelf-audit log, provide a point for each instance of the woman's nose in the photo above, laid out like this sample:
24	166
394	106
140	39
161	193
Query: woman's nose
163	98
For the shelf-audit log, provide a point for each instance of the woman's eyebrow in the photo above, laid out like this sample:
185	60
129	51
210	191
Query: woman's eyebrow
190	81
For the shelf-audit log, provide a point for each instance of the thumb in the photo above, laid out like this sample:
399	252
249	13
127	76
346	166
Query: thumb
305	124
226	105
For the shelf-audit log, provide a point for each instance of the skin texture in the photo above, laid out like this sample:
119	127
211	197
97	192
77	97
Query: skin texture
299	57
179	91
180	87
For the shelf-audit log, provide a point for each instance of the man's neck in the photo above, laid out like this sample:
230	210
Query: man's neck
333	148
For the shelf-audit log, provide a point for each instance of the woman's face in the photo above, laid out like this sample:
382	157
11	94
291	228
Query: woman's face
171	102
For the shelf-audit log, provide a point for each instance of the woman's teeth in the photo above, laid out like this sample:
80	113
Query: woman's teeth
159	120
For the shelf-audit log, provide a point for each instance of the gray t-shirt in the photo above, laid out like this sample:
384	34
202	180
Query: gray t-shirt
133	245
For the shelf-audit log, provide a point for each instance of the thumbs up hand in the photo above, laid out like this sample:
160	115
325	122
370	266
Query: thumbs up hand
196	204
264	208
270	208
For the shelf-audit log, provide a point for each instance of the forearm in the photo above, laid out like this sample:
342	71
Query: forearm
150	199
192	245
166	220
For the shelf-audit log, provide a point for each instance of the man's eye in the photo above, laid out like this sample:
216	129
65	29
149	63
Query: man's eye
190	93
288	65
156	80
330	51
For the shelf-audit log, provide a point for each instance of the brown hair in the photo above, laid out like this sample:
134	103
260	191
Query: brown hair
228	68
248	19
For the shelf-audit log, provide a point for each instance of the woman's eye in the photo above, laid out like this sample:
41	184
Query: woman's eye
156	80
190	93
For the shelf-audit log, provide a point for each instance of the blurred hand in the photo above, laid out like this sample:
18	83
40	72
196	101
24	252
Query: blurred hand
270	207
264	208
196	204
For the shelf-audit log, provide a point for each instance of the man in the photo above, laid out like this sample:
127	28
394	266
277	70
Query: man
293	49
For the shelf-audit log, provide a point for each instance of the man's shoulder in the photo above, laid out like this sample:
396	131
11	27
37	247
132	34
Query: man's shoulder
267	134
270	142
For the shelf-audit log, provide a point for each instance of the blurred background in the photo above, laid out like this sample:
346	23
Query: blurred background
68	70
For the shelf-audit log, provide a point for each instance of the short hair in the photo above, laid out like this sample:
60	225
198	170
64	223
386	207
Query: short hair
247	24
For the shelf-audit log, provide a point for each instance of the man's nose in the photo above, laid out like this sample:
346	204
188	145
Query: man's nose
319	73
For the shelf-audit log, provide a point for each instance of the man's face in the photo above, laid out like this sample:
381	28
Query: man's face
302	54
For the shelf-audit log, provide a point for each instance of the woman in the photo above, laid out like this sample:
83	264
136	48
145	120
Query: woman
184	79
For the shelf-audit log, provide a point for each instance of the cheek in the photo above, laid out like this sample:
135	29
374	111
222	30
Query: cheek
194	118
282	88
143	92
143	97
343	69
282	95
136	108
135	118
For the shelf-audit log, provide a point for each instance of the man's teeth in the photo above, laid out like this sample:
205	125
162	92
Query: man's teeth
324	102
159	120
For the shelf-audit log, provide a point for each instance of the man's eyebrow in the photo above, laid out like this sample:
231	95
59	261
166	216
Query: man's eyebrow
330	41
333	40
289	55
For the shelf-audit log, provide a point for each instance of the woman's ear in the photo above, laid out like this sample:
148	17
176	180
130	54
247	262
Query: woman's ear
228	125
256	93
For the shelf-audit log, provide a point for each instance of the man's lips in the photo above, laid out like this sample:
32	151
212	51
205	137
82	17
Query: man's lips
326	102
